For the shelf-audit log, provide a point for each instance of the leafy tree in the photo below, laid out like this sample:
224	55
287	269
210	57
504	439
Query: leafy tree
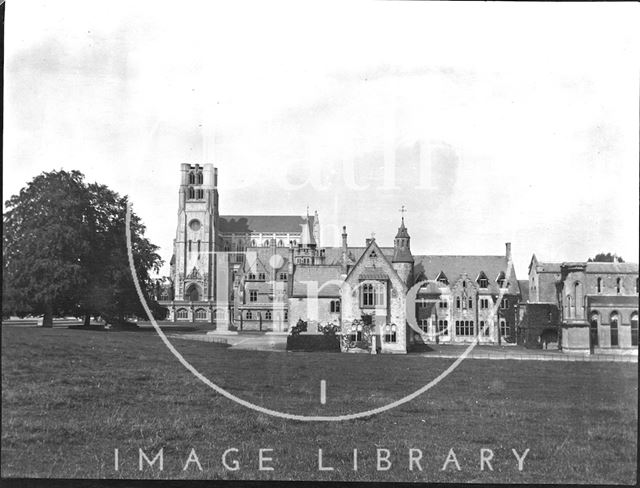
605	258
46	245
66	253
111	292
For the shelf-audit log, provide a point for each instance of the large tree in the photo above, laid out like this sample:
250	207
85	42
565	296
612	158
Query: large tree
605	258
65	251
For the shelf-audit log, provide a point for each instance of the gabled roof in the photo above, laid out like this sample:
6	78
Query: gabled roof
333	255
263	223
619	268
455	266
386	257
524	289
263	258
319	274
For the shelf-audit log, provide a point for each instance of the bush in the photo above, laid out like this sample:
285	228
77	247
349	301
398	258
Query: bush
313	343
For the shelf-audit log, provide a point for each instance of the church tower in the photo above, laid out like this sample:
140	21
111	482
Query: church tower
402	260
195	241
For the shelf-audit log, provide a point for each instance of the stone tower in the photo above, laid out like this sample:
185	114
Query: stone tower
195	241
402	260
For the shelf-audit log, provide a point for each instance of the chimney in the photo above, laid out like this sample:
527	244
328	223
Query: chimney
345	249
367	241
508	250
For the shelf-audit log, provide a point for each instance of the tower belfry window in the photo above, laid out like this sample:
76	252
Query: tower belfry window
192	193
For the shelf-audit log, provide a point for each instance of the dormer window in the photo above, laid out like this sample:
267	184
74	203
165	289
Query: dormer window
251	276
501	280
483	281
442	279
261	276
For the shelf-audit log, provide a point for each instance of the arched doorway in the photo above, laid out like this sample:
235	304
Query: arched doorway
613	326
593	329
193	293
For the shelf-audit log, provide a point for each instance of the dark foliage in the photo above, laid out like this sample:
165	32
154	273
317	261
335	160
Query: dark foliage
313	343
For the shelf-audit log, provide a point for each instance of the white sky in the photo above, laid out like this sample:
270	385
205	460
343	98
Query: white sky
525	116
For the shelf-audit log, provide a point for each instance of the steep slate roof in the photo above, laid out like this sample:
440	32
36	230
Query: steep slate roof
613	300
263	256
524	289
319	274
333	255
262	223
619	268
455	266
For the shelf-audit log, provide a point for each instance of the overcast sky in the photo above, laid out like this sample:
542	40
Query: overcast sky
489	122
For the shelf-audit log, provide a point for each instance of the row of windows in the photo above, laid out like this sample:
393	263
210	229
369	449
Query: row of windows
194	194
619	287
248	315
190	245
196	178
373	295
482	280
182	313
466	328
262	276
614	320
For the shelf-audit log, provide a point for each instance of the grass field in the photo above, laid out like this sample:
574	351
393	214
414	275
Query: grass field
70	397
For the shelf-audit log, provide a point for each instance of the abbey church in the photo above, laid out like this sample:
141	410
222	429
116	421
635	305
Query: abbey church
270	272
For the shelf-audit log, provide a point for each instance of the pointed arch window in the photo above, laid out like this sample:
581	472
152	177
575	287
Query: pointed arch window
599	285
613	326
200	178
192	179
192	193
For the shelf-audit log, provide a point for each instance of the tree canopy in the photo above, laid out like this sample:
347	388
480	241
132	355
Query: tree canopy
65	251
605	258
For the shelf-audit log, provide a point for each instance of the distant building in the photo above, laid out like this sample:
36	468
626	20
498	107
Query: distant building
590	305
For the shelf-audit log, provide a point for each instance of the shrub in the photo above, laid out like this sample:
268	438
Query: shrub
313	343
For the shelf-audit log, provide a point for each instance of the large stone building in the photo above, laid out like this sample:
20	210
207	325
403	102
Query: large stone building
209	248
589	305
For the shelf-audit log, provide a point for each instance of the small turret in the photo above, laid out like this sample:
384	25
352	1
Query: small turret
403	260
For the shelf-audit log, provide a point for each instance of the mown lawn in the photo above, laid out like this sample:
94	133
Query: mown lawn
70	397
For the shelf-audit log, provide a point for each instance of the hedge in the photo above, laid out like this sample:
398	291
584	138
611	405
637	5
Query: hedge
313	342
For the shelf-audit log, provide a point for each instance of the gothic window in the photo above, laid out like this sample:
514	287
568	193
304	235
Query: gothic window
504	328
280	243
618	285
424	324
267	315
613	324
262	276
200	178
593	326
200	194
367	295
266	243
189	245
249	315
192	179
201	314
390	333
504	303
373	294
458	303
470	303
253	295
484	328
568	305
484	303
599	285
286	315
443	327
182	314
335	306
373	254
226	247
253	243
198	246
464	283
443	304
192	294
634	329
251	276
283	276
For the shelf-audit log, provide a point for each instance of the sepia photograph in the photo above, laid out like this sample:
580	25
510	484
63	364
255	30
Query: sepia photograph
368	241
